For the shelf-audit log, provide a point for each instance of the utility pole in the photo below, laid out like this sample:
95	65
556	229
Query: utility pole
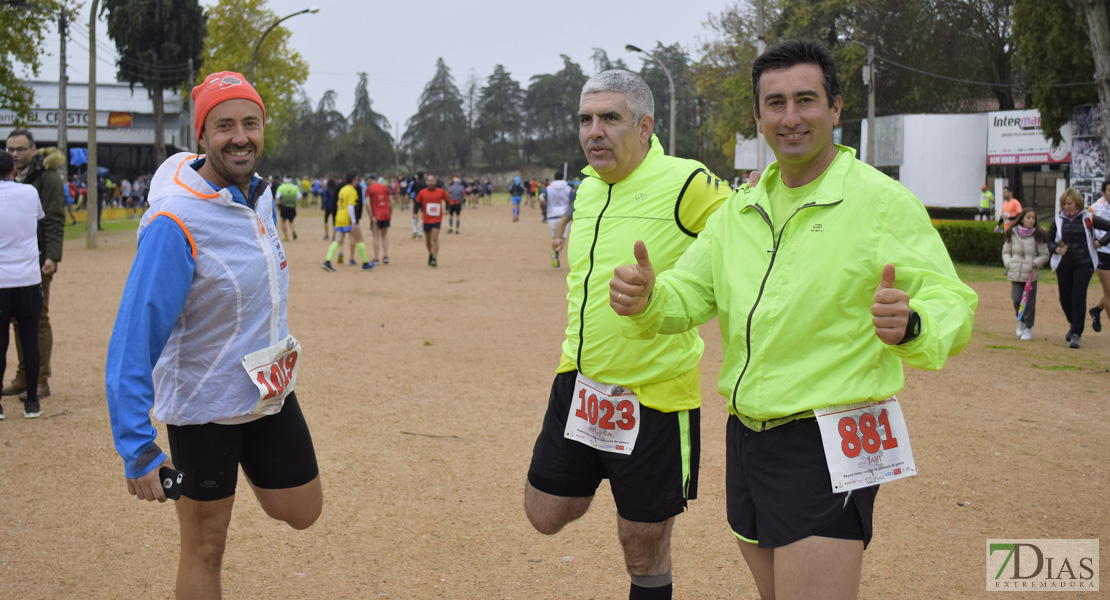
63	88
760	46
189	108
92	210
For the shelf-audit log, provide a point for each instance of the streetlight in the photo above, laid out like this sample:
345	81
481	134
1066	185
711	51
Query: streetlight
670	82
869	81
257	46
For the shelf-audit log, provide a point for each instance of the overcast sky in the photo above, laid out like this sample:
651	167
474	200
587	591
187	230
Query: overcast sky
397	43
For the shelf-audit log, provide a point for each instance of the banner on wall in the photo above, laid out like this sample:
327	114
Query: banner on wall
1014	137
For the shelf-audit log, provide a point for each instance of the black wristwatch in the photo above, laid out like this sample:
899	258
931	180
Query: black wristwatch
913	328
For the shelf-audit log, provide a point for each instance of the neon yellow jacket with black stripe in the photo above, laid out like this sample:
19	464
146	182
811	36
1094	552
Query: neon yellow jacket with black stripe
664	202
795	310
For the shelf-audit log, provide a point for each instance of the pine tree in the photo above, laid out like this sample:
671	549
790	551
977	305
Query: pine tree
500	119
155	40
435	136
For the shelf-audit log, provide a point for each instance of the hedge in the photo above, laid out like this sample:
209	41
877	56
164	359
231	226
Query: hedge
971	241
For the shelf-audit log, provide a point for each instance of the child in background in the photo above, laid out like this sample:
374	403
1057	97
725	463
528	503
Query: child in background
1025	251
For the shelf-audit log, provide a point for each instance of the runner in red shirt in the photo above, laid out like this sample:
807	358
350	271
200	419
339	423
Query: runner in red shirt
432	198
380	209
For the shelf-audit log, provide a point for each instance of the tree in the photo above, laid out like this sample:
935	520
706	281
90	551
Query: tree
1055	46
435	136
677	62
310	139
500	124
367	143
551	109
234	29
21	43
601	61
156	39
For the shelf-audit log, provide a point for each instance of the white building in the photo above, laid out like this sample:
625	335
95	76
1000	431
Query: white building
124	121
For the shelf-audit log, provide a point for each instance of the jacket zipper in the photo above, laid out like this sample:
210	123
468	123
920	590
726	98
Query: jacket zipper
586	283
762	285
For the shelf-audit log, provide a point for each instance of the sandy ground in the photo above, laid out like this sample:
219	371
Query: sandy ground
424	389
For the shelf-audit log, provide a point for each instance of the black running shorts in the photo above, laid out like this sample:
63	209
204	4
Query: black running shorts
650	485
778	489
276	453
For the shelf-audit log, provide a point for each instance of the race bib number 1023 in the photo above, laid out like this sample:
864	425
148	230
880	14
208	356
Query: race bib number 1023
865	443
603	415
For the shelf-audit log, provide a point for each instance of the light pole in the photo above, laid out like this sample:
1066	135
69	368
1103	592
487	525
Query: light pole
254	54
869	81
670	82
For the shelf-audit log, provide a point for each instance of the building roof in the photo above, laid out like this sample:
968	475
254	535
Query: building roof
109	96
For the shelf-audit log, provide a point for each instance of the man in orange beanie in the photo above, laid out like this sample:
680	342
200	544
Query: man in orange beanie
202	342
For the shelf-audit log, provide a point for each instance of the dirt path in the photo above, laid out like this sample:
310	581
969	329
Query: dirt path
425	388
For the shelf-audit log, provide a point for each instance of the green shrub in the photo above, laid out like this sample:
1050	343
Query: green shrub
971	241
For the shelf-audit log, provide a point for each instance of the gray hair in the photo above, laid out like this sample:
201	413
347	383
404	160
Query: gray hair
636	93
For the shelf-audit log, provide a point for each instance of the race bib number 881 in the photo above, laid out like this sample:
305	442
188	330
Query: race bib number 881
865	443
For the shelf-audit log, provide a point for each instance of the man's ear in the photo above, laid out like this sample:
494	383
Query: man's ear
647	125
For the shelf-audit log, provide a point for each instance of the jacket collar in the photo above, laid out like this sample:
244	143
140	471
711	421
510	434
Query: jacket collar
655	150
831	189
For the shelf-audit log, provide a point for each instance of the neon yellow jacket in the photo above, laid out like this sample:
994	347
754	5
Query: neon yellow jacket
795	312
664	202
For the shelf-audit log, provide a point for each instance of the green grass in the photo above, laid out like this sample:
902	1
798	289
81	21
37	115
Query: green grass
79	232
994	347
1056	367
979	274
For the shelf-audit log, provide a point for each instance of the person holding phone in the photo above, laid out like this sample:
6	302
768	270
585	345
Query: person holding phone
201	341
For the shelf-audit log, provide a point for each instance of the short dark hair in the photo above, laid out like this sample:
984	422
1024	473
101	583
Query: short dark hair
24	132
350	177
1104	185
558	175
7	165
1006	188
797	52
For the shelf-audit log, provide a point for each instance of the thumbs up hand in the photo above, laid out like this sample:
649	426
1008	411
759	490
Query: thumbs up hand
631	286
891	310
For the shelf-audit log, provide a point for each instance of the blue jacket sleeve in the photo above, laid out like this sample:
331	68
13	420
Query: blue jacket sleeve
154	296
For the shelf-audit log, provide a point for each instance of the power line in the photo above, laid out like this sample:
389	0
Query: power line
973	82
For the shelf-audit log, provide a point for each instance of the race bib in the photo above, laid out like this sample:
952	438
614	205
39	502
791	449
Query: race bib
866	443
433	209
603	416
274	372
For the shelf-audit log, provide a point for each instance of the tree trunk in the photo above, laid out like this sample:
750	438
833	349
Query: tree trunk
156	100
1098	26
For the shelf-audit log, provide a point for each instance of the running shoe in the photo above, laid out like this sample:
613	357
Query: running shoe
340	258
1	413
432	262
327	266
414	235
555	259
294	235
367	266
31	410
1096	319
1075	340
1027	335
385	260
352	262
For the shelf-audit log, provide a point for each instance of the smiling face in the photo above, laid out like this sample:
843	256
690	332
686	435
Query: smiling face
614	143
232	140
797	121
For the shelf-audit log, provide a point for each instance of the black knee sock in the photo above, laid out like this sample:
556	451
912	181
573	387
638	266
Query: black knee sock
636	592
